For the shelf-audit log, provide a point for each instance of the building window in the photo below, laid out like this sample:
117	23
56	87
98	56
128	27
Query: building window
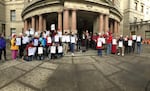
135	5
147	34
135	19
12	31
12	15
142	8
3	29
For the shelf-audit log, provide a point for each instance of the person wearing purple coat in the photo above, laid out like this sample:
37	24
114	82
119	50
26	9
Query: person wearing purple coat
2	46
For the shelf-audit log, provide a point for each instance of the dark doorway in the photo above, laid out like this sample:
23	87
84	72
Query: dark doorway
51	18
85	21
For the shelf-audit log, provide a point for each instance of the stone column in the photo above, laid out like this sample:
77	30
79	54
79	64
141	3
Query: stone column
101	23
115	28
60	21
40	23
44	24
37	24
33	23
66	21
118	28
106	23
74	22
25	25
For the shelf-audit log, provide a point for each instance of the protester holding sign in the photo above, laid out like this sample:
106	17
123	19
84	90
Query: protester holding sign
139	44
121	45
72	43
99	44
14	48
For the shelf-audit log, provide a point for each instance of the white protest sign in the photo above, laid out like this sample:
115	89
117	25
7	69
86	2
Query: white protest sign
133	37
138	39
31	31
129	42
114	42
67	38
31	51
18	41
99	42
63	38
49	40
73	39
120	44
56	38
40	50
53	49
36	42
60	49
52	26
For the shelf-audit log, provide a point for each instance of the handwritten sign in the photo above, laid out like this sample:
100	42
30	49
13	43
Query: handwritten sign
114	42
60	49
18	41
40	50
53	49
120	44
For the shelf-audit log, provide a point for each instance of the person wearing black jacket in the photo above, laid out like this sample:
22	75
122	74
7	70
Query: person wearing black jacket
121	45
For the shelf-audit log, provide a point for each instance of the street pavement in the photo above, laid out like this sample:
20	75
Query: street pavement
83	72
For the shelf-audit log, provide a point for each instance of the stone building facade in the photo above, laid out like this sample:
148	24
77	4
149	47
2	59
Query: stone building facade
72	15
116	16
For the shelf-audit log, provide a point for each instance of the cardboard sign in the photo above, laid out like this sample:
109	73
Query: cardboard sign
114	42
18	41
40	50
129	42
53	49
60	49
120	44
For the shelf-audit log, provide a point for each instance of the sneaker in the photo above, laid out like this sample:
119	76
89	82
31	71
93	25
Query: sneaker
122	54
118	54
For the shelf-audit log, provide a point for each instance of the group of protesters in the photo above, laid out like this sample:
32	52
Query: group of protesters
55	44
120	46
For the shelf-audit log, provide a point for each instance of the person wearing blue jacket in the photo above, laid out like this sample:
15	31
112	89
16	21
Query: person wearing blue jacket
2	46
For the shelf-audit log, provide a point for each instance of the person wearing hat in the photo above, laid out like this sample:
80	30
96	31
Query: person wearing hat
14	48
2	46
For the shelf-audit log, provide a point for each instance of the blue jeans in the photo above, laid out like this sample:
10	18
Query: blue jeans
72	47
139	47
108	48
99	51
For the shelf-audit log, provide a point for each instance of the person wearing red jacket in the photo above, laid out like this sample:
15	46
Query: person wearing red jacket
27	57
109	43
99	43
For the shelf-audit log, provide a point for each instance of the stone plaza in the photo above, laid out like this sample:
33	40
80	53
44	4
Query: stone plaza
83	72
